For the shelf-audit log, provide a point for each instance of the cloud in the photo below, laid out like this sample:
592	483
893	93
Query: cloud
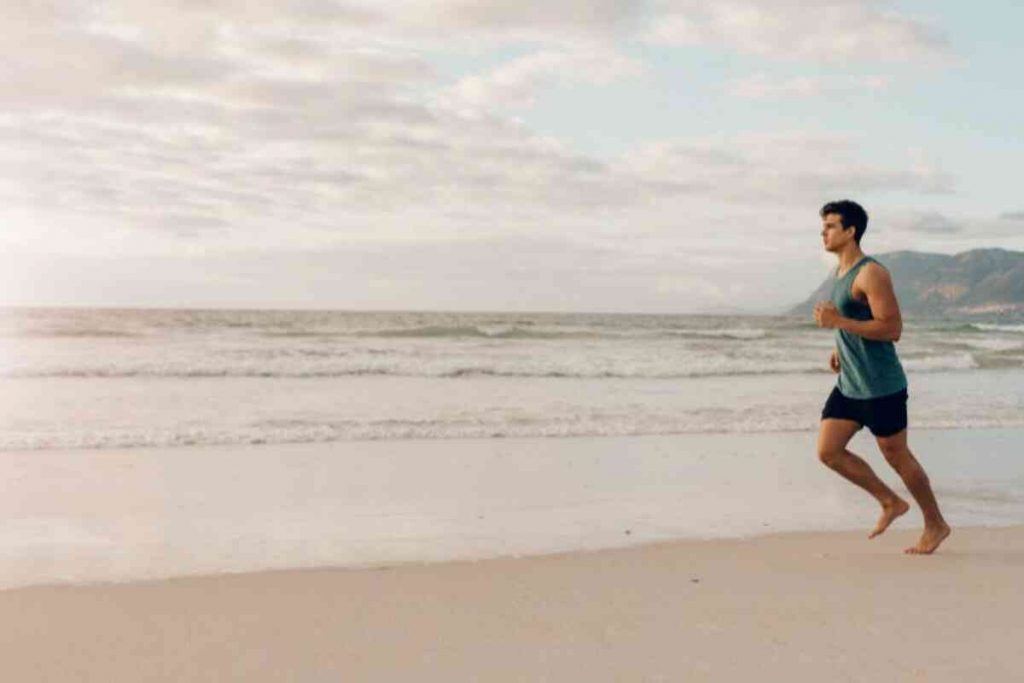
762	86
227	121
932	222
896	229
68	53
68	67
498	273
267	160
831	31
520	20
1012	216
781	166
516	83
185	129
431	23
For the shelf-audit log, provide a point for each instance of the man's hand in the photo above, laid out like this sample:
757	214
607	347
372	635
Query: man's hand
833	361
826	314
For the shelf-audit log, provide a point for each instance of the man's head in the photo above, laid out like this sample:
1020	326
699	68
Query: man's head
842	221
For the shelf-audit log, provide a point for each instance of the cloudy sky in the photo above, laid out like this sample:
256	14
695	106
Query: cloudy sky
588	155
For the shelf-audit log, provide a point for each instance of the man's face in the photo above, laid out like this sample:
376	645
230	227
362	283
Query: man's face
833	235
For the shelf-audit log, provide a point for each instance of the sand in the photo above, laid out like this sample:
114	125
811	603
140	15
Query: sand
796	607
142	514
397	561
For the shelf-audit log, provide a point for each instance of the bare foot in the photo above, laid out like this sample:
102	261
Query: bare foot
932	537
890	511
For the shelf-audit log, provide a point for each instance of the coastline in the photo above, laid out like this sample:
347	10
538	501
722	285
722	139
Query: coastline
809	606
653	558
142	514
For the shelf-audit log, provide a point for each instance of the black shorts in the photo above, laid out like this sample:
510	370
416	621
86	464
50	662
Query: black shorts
884	415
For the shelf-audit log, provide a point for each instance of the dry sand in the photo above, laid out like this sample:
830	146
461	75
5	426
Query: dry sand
795	607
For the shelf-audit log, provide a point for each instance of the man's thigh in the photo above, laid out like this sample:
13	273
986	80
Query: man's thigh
893	445
834	434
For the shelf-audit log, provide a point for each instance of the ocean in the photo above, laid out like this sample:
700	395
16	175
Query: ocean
127	435
103	378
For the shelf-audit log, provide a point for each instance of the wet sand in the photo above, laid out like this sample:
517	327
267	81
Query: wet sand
574	559
80	516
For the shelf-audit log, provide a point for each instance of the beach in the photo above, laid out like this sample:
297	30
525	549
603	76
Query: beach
140	514
275	495
346	341
797	607
690	557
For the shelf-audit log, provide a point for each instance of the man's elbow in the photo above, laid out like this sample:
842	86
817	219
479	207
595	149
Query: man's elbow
889	329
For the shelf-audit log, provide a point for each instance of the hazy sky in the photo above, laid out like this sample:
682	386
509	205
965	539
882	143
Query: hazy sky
601	155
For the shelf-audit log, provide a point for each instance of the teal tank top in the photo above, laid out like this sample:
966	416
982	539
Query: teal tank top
868	368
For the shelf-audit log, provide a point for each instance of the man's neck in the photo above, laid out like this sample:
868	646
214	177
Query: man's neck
849	256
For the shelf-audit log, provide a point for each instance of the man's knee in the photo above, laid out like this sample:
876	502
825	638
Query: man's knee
897	455
830	455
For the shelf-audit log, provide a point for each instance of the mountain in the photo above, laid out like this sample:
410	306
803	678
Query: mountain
976	282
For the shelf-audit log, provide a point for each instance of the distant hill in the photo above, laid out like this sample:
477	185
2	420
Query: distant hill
977	282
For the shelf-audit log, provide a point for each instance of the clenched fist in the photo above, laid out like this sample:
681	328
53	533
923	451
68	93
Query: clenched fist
826	314
833	361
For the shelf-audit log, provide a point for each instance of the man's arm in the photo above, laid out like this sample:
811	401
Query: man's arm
887	325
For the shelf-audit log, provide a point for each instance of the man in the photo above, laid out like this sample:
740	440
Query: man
872	388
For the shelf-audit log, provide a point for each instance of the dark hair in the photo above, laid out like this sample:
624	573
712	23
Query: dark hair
851	215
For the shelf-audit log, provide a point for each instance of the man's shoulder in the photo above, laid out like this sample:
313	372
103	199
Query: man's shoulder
868	263
867	269
873	273
873	266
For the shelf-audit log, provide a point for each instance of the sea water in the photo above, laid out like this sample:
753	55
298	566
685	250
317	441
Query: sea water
130	439
101	378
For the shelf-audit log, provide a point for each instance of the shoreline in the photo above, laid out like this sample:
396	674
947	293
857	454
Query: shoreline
810	606
129	515
583	554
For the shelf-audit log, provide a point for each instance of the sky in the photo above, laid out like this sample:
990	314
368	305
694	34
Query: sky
656	156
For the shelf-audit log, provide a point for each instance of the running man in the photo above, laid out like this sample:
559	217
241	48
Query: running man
872	388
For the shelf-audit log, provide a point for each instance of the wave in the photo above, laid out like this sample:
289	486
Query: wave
938	328
992	327
298	431
512	329
515	332
45	333
951	362
198	373
476	331
990	345
958	361
742	334
1000	362
301	334
452	373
